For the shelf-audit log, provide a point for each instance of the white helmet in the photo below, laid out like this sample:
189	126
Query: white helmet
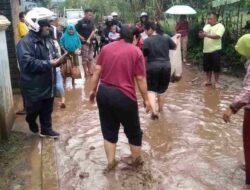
37	14
144	14
114	14
109	18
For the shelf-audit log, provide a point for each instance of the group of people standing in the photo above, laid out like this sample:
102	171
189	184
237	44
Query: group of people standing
129	55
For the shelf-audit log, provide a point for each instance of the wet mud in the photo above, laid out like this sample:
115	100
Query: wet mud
189	147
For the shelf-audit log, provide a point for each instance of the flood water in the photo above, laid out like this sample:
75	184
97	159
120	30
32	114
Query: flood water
189	147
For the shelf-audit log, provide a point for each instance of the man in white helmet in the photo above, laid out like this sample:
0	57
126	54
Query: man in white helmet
116	20
37	61
143	20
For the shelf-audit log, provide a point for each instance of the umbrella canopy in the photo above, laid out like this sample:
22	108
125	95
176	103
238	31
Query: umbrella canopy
181	10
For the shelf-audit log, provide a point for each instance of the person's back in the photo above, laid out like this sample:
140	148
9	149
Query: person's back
157	48
119	61
119	64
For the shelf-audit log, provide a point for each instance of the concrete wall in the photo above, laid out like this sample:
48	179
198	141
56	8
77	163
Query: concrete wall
6	97
11	9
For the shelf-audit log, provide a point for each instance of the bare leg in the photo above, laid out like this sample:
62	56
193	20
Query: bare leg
63	103
64	81
151	98
160	102
110	152
85	69
90	69
217	82
209	79
135	151
73	82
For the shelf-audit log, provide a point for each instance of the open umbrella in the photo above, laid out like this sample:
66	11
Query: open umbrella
181	10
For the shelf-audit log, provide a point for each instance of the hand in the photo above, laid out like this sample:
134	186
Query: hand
54	62
78	52
92	97
178	36
201	34
88	41
147	106
227	115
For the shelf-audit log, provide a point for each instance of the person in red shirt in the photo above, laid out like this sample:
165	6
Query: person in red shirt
119	65
182	27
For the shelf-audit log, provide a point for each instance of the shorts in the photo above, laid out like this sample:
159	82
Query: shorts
116	108
87	53
211	62
158	79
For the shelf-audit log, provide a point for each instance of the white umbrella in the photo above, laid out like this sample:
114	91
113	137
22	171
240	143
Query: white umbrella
181	10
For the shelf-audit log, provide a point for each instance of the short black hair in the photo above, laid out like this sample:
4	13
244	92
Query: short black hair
126	33
21	15
212	13
88	11
150	25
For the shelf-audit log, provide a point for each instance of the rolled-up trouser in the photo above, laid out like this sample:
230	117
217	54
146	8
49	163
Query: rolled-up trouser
184	43
116	108
246	142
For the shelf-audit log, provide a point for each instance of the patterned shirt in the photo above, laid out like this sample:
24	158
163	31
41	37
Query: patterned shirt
243	98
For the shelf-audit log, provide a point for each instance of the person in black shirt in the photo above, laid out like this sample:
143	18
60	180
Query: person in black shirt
156	49
86	31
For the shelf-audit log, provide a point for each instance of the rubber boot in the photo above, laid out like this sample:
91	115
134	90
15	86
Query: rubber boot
246	142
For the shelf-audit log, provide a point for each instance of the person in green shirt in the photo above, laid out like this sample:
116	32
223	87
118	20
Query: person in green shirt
212	34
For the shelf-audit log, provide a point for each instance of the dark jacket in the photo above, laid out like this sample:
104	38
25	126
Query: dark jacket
37	74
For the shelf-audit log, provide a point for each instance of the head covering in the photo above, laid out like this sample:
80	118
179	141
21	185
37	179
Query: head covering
70	42
243	45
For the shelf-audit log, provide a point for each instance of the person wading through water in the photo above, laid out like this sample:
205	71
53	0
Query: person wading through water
119	65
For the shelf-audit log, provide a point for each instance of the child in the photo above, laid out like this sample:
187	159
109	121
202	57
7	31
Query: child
113	35
70	42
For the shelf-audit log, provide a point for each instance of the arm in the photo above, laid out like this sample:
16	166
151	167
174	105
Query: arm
142	85
177	27
173	44
215	37
240	100
94	82
81	38
91	36
27	60
218	35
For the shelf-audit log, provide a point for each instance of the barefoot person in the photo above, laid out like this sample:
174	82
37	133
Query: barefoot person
119	65
182	27
243	100
156	49
86	31
212	34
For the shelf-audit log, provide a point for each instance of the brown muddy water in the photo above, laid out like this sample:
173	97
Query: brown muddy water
190	147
